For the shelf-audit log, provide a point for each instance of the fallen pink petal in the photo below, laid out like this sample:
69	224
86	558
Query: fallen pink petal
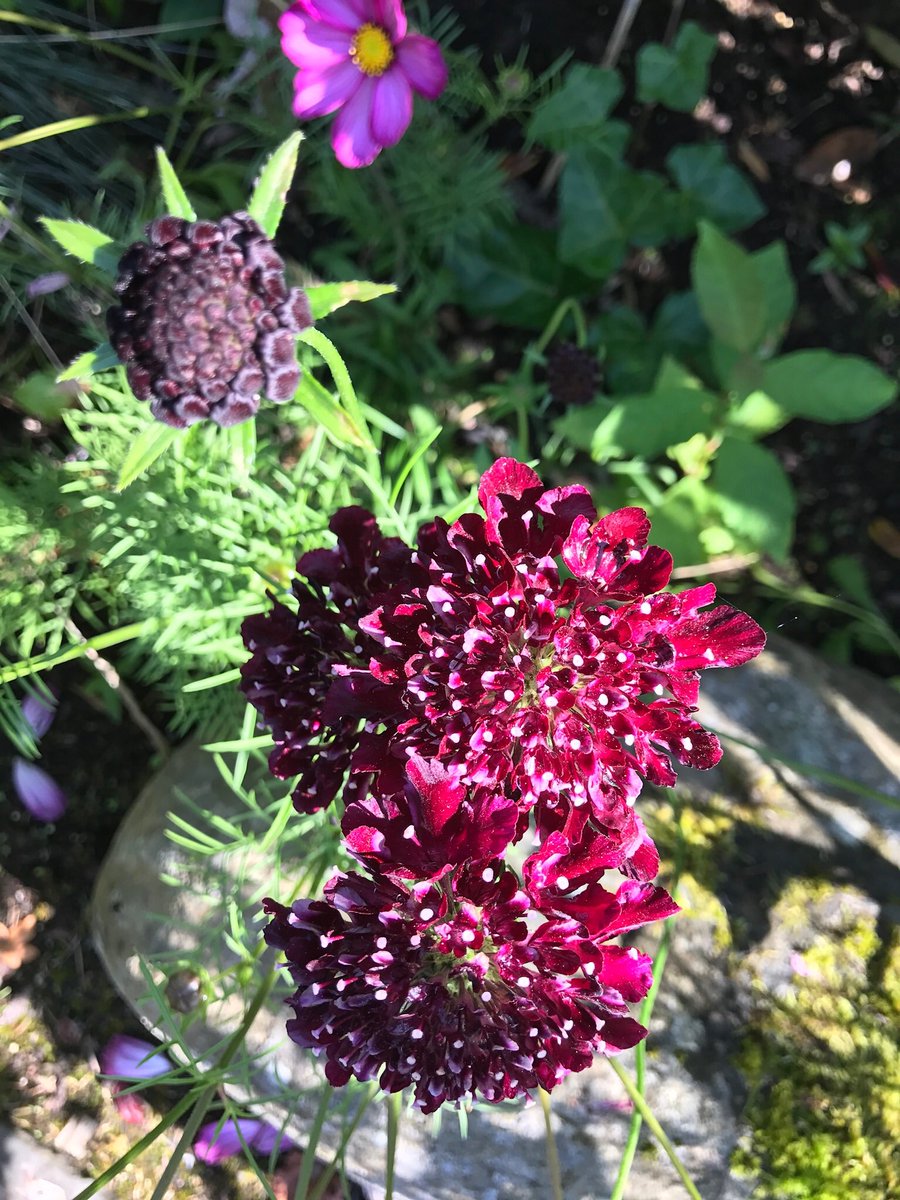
45	285
132	1058
218	1140
38	792
40	712
358	60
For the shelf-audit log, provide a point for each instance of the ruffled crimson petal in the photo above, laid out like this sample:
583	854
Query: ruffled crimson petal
311	45
40	794
351	135
628	971
507	477
392	107
724	637
317	93
421	61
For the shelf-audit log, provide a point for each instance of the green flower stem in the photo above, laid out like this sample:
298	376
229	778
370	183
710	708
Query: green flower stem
393	1107
349	1130
634	1131
553	1169
330	353
655	1128
73	123
567	306
130	56
309	1153
114	637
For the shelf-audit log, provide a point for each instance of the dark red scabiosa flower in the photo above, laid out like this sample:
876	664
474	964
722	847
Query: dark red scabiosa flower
560	684
205	322
462	988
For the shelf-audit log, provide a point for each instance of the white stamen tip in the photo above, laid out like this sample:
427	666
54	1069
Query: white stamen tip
426	914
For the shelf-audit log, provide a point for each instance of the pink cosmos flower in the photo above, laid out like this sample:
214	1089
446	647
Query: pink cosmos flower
357	59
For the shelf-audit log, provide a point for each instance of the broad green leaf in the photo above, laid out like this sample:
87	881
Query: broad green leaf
92	362
513	273
728	289
324	298
84	242
40	395
715	188
153	441
823	386
673	374
676	77
756	415
577	113
678	326
174	196
271	188
579	424
631	355
779	290
324	409
883	43
679	520
754	496
644	426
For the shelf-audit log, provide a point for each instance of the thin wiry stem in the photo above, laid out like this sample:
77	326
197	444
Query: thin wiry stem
553	1168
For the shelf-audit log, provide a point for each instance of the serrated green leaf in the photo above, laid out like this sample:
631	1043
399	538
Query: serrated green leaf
175	197
147	448
85	243
676	77
714	187
271	188
753	496
324	409
644	426
576	114
728	289
823	386
92	362
324	298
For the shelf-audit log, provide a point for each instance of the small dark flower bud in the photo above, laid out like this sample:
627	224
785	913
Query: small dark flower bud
573	375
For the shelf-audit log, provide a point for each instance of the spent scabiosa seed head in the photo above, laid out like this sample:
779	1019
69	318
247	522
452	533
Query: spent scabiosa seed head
573	375
205	323
463	989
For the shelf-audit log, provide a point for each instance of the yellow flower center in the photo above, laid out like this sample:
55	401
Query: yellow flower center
372	50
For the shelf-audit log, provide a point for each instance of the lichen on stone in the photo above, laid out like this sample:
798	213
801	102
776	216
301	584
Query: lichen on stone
821	1054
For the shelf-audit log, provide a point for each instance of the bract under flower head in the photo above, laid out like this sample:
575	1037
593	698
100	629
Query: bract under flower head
356	58
559	691
464	989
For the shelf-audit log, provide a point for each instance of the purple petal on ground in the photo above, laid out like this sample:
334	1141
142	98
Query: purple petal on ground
392	106
217	1140
39	713
45	284
132	1058
421	61
38	792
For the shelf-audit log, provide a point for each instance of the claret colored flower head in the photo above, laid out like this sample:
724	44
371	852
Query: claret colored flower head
530	651
356	58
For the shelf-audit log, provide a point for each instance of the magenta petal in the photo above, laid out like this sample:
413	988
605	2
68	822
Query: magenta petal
421	61
507	477
390	16
341	14
267	1138
723	637
310	44
39	713
351	134
317	93
38	792
392	106
132	1058
217	1140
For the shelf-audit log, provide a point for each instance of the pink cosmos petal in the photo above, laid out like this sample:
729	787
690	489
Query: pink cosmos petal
392	106
341	14
38	792
351	134
421	61
390	16
317	93
310	44
132	1058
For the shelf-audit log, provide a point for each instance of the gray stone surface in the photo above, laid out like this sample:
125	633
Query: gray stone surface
28	1171
775	822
